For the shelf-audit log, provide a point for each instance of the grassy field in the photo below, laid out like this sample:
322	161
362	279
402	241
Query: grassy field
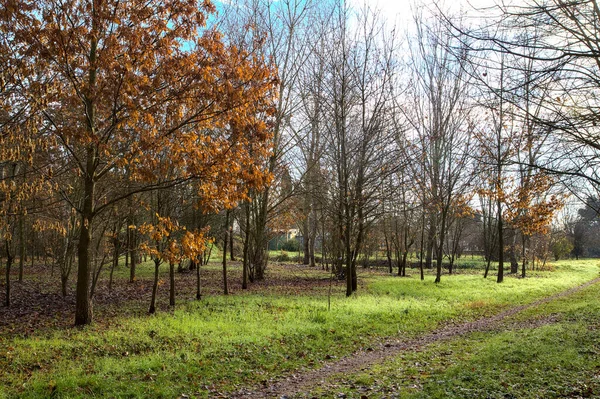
550	351
221	343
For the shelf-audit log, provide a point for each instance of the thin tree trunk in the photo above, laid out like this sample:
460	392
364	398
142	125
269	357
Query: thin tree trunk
524	258
403	265
115	263
231	255
21	247
487	267
440	249
430	244
246	245
313	236
306	242
172	284
198	292
500	244
152	309
33	248
132	257
225	240
127	246
421	249
9	260
388	252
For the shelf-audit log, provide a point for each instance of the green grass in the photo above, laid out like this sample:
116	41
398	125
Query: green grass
222	343
559	358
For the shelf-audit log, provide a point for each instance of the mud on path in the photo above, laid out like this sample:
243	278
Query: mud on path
304	381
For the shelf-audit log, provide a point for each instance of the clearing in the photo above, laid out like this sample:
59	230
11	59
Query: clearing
398	337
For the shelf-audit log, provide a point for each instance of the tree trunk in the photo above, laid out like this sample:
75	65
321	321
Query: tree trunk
64	280
152	309
9	260
33	249
198	293
354	276
83	305
440	249
430	244
514	264
487	267
95	277
132	257
21	247
231	249
500	244
313	238
349	256
172	284
246	245
421	249
388	253
65	269
524	258
225	240
259	250
404	258
305	242
131	241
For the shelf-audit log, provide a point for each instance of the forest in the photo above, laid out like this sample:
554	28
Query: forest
223	197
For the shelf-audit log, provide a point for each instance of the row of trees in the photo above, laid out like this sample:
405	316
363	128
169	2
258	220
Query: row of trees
135	128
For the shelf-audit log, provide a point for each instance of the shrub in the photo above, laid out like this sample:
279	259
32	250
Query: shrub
290	245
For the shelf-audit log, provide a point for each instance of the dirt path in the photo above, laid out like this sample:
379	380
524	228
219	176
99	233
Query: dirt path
306	380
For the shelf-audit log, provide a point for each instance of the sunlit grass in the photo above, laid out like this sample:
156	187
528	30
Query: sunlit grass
555	359
221	343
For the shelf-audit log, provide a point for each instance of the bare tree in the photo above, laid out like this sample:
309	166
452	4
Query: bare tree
284	28
359	135
438	117
554	45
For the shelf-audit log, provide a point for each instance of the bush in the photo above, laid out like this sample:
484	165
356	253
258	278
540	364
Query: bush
290	245
561	247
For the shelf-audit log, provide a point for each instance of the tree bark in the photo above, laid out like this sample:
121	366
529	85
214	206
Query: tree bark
83	306
225	240
152	309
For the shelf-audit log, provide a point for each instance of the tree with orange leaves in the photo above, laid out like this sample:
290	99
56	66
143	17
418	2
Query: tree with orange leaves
530	210
140	87
171	243
23	163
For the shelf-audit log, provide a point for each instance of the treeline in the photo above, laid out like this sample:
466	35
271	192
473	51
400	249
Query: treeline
159	128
